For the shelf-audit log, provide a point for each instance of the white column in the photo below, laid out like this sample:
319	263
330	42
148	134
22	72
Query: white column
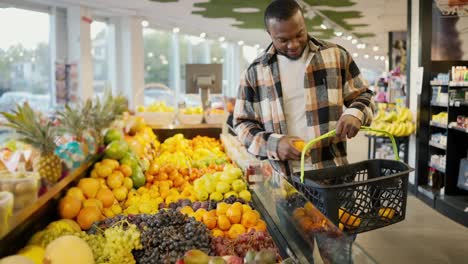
413	94
189	53
206	51
129	59
79	49
53	56
111	57
174	66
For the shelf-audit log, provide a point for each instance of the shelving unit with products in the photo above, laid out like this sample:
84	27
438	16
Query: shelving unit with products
447	145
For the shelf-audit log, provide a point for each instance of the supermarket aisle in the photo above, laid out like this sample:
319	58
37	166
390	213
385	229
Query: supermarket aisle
424	237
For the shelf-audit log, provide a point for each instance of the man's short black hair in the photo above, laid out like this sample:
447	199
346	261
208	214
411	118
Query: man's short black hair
281	10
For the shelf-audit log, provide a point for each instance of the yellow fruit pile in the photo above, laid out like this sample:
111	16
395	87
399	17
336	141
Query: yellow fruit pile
222	185
98	196
397	122
228	220
114	176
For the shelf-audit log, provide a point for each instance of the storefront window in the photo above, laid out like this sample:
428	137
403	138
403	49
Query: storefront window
24	58
157	54
99	38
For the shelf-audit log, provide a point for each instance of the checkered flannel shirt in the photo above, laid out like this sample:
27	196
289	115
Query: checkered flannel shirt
332	80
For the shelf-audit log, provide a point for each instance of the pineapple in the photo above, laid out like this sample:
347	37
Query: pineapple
73	121
102	114
41	135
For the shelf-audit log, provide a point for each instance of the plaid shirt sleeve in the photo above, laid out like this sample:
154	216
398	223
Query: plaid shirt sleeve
357	97
248	122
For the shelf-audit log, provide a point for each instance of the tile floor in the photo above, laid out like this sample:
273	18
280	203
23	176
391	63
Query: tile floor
425	236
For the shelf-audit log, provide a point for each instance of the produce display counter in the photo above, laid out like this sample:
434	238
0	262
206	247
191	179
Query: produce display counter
189	131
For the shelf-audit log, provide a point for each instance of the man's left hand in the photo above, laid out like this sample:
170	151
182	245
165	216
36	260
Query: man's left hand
348	126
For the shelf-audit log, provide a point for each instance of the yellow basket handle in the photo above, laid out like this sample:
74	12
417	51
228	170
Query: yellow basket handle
333	133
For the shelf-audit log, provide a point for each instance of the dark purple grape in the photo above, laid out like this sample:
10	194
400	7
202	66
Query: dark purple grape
196	205
204	205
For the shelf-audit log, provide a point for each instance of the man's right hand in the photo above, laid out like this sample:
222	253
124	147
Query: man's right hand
286	149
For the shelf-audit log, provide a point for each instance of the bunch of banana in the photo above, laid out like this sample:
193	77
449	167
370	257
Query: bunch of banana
397	122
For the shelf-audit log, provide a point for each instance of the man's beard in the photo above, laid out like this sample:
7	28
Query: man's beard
289	57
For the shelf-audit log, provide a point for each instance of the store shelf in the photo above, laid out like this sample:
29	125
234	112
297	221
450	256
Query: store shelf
439	104
437	145
427	195
438	83
454	207
461	129
458	104
438	168
458	84
435	124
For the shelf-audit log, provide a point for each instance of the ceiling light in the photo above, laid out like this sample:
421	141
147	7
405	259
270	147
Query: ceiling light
240	43
203	35
148	68
221	60
150	55
355	55
354	41
257	46
144	23
376	57
363	46
165	62
21	54
162	57
33	59
221	39
382	58
349	37
176	30
338	33
375	48
323	26
245	10
215	59
10	59
366	56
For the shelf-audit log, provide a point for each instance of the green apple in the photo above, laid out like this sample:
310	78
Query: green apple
238	185
227	178
245	195
210	186
217	196
223	187
229	194
202	195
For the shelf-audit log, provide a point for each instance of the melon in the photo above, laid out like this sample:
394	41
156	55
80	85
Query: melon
16	259
34	253
58	251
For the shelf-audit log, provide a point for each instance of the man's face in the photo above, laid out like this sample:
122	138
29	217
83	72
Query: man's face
289	36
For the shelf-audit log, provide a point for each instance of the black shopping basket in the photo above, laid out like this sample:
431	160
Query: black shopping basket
357	197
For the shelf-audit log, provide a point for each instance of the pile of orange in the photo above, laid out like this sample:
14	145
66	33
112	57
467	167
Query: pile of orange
177	178
309	219
97	197
228	220
114	176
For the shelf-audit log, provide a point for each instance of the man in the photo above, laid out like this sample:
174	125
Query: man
296	90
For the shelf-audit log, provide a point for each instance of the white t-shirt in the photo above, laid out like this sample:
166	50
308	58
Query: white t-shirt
292	74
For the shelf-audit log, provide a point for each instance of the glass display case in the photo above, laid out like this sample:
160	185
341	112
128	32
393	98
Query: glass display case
302	233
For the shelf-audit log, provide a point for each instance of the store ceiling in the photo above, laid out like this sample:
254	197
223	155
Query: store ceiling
367	20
